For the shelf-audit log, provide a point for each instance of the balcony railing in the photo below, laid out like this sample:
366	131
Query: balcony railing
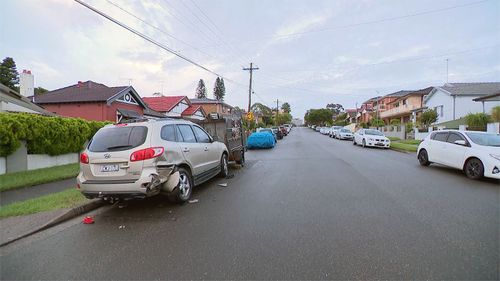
400	110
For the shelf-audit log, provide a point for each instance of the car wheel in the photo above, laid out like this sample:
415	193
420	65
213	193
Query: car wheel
474	169
364	143
224	166
354	142
183	191
423	158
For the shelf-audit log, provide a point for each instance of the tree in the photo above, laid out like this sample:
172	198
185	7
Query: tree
219	89
395	122
282	118
8	73
40	91
286	107
263	111
341	120
428	117
336	108
201	90
318	116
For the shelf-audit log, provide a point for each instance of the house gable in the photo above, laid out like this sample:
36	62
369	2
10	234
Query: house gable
128	96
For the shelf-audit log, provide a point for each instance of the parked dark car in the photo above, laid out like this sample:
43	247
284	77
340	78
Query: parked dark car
283	130
278	132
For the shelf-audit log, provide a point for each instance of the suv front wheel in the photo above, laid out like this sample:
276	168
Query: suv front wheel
183	191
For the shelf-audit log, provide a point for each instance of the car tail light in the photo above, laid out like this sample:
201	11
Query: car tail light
84	158
146	153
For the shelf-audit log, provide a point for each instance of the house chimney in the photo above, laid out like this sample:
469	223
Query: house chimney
27	83
79	84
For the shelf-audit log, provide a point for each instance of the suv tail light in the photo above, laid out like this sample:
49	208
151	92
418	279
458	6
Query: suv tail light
84	158
146	153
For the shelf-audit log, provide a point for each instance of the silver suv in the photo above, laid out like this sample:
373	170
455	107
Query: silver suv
148	157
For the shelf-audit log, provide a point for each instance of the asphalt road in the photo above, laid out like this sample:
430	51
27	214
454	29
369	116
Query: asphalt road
311	208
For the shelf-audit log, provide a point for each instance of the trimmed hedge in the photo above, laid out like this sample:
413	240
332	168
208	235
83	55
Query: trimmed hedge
44	135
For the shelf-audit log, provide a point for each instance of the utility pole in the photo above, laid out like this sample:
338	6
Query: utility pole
356	116
251	69
277	112
277	107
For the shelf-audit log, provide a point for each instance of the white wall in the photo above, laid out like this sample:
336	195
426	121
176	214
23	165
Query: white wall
463	105
3	165
440	98
38	161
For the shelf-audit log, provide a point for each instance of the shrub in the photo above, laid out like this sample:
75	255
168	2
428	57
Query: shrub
409	127
363	125
477	121
495	113
377	122
44	135
428	117
395	122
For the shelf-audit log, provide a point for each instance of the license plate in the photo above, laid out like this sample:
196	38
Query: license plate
110	168
380	143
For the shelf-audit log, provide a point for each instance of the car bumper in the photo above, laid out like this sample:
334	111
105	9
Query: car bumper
492	169
378	144
345	137
150	183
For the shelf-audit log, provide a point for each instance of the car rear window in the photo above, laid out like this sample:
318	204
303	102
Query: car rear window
118	138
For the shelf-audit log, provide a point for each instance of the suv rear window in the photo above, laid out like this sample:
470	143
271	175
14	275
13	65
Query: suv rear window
118	138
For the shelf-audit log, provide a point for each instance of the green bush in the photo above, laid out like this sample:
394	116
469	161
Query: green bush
427	118
44	135
495	113
395	122
377	122
477	121
409	127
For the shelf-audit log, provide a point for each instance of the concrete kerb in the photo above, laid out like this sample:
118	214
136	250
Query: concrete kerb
74	212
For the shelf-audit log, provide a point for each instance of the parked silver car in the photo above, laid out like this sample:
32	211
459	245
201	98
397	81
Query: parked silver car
149	157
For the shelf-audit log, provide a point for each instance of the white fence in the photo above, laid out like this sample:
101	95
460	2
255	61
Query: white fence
38	161
421	135
3	165
395	131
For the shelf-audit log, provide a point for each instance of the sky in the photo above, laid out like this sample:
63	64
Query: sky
309	53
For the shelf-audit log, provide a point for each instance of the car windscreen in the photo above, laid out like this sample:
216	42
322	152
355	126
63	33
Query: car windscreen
484	139
345	131
118	138
373	132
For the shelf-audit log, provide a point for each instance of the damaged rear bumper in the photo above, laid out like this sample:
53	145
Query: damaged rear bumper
152	182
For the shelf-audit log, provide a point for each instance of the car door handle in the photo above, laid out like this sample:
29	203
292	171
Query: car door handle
185	149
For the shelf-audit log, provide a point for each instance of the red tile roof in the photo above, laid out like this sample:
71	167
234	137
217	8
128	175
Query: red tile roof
163	104
81	92
191	110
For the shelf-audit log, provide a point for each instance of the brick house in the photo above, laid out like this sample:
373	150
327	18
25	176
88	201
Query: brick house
176	106
213	106
406	108
94	101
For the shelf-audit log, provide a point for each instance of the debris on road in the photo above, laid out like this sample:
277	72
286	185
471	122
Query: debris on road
230	176
88	220
223	184
193	201
121	227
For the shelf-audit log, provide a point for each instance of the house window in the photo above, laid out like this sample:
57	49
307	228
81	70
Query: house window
404	102
439	110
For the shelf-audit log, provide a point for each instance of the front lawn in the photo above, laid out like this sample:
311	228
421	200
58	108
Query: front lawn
405	145
64	199
39	176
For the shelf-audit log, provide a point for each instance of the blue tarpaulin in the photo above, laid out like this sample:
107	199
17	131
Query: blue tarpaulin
260	140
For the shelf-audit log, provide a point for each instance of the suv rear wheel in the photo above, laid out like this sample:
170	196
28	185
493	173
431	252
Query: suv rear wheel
224	166
183	191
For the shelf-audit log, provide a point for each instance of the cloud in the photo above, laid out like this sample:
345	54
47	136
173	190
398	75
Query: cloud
297	26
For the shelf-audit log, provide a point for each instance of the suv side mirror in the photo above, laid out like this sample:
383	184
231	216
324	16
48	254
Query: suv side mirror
215	138
460	142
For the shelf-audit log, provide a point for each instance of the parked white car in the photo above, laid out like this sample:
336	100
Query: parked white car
344	134
476	153
334	130
324	130
370	137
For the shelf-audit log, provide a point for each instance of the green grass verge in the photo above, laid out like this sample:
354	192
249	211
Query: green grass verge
404	146
39	176
64	199
394	138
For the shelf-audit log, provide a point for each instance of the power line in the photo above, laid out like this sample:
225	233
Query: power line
151	40
159	29
291	34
